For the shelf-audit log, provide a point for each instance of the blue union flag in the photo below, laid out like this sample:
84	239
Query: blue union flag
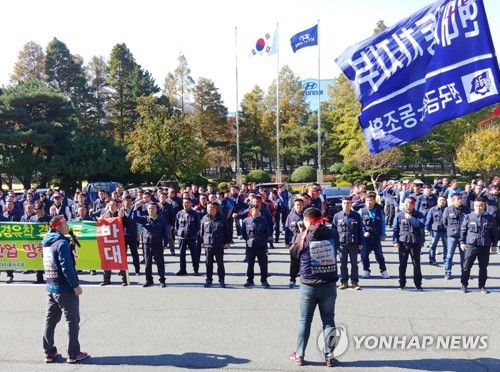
305	38
436	65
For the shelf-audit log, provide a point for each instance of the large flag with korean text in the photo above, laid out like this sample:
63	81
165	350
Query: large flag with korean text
266	44
305	38
437	65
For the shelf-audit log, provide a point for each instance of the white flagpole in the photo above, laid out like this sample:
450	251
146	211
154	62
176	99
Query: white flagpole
238	170
278	169
320	170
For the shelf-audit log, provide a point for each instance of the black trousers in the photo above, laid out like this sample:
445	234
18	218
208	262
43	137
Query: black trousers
413	250
261	255
483	258
277	220
390	213
131	242
184	245
215	254
107	276
157	253
294	267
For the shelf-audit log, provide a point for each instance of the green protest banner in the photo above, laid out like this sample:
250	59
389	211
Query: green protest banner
102	245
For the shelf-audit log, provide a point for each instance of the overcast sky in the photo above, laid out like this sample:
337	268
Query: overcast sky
157	31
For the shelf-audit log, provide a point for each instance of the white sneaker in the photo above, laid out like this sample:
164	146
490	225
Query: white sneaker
366	274
385	274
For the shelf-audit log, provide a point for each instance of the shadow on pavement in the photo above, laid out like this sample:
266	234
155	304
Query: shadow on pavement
186	360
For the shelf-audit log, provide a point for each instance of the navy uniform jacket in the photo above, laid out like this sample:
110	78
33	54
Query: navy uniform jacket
479	230
12	216
238	203
264	212
349	227
434	220
187	224
425	203
452	220
291	226
167	213
409	230
214	232
255	232
154	232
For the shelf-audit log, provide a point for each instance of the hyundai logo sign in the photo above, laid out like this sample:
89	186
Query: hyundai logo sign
311	89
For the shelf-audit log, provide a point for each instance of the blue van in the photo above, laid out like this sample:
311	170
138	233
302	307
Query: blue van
94	187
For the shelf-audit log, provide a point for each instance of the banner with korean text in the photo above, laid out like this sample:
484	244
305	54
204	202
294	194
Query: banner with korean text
437	65
102	245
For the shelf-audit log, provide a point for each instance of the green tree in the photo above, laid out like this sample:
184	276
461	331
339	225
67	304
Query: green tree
380	27
441	143
256	142
65	72
36	124
210	118
160	143
93	157
97	75
178	85
479	152
292	113
128	81
343	112
210	114
30	63
122	103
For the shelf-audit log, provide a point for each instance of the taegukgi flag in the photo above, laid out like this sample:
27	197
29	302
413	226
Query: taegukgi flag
266	44
305	38
437	65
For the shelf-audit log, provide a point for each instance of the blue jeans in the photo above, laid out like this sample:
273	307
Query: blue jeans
435	237
376	247
452	245
324	296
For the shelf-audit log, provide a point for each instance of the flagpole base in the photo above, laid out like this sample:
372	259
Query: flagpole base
278	175
319	176
239	177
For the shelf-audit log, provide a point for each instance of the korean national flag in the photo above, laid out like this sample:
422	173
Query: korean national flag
265	45
305	38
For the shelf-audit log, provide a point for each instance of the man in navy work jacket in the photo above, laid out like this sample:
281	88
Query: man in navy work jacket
214	237
155	235
478	234
63	291
408	238
292	229
187	228
255	231
373	219
350	230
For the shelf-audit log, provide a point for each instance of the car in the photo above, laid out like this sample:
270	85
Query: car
94	187
333	199
270	186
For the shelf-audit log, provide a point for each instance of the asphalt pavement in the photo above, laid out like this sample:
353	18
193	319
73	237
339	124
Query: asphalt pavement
185	326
